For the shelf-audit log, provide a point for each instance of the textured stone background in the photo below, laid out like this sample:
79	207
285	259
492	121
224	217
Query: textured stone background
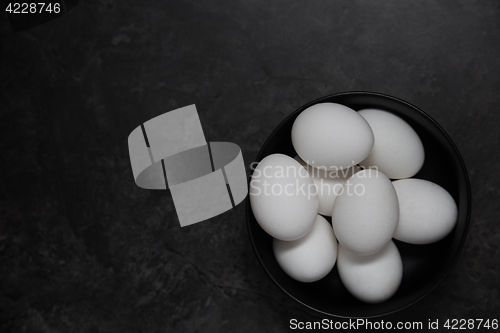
83	249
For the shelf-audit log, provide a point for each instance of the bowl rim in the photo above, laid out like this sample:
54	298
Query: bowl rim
463	170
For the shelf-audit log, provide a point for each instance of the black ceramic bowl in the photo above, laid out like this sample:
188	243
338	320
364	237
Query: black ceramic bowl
424	266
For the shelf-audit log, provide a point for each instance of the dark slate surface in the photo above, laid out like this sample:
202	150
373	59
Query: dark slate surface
83	249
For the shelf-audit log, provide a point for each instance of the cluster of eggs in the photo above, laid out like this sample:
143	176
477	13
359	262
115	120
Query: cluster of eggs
355	167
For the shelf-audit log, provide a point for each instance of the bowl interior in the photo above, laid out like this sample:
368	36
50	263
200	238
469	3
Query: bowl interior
424	266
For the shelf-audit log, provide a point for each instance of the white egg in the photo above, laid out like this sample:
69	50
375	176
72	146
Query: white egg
331	135
365	214
311	257
397	151
283	198
374	278
427	212
328	184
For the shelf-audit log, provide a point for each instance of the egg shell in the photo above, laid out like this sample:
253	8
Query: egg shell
283	198
328	184
365	214
427	212
374	278
311	257
398	151
331	135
